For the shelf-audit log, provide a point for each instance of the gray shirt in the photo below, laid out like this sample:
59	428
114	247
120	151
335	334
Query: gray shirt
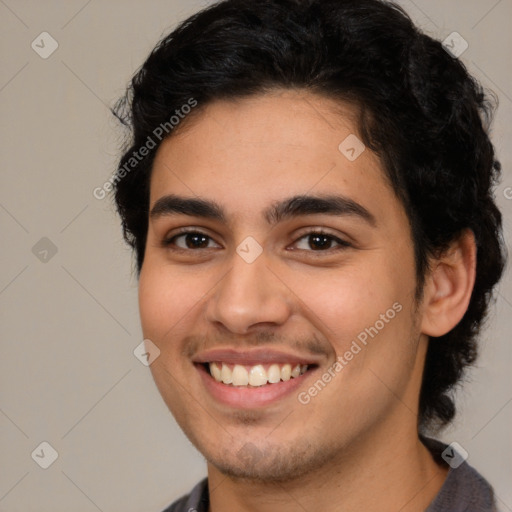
464	490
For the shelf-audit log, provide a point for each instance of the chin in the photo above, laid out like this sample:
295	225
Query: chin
269	464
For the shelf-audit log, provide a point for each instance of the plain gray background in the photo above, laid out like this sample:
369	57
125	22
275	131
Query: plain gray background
70	323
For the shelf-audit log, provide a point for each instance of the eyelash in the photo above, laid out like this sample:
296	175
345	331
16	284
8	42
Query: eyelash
342	244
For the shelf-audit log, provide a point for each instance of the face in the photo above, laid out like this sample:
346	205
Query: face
282	266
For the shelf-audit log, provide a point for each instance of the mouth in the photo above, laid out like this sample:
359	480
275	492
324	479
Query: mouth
261	379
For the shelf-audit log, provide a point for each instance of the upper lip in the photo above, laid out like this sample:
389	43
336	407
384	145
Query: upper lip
252	357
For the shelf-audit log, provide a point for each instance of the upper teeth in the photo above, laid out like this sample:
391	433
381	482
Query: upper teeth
255	375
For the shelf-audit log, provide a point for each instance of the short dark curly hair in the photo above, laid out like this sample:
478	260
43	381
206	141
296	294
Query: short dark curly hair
420	111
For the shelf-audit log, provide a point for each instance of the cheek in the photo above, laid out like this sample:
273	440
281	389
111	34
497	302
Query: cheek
165	299
343	302
151	307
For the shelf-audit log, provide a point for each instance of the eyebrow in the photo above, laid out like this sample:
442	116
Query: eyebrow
280	210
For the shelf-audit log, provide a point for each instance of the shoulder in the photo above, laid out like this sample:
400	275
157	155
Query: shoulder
464	488
195	501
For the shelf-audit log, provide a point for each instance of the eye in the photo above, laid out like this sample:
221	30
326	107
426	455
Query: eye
190	240
320	241
313	241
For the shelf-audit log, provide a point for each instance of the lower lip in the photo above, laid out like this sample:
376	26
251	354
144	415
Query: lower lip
249	397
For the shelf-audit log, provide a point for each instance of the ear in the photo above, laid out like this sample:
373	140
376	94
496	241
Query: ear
449	285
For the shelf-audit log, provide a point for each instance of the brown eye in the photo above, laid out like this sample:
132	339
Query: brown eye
189	240
319	241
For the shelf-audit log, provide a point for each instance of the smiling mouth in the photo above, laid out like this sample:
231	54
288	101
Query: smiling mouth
237	375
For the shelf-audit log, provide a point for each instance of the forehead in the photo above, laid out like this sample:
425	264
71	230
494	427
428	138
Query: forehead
256	149
282	121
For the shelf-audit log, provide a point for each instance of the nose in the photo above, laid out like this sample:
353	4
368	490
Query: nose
249	295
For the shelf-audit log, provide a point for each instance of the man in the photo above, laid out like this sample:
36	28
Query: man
308	192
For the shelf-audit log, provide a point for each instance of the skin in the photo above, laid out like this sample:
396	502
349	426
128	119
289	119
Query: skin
354	446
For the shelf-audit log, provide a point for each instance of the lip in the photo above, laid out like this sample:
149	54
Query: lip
254	357
242	397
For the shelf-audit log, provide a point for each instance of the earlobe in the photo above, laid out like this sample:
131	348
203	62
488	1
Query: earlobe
449	286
